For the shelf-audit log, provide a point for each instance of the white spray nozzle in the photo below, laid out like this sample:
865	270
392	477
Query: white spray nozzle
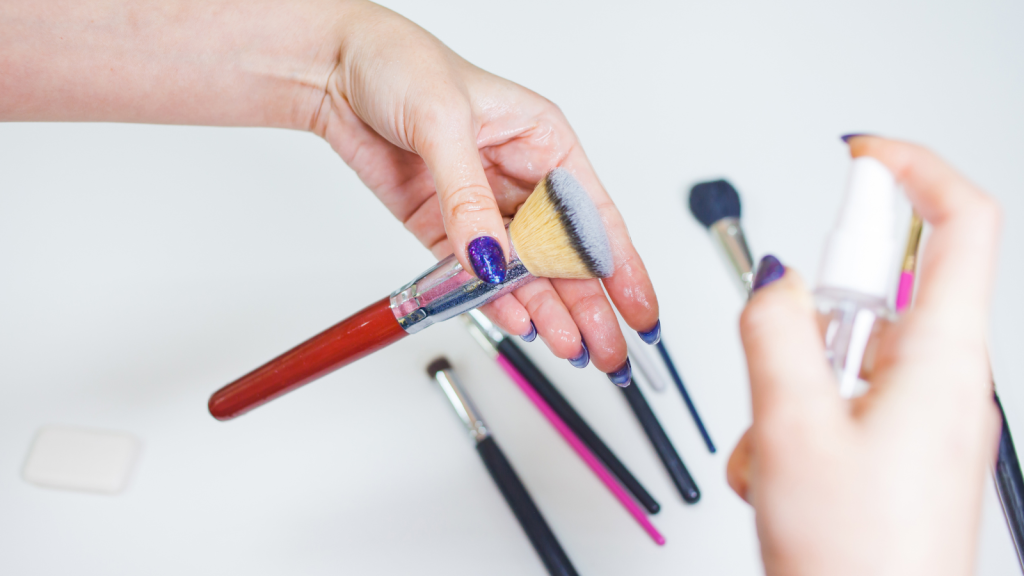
861	248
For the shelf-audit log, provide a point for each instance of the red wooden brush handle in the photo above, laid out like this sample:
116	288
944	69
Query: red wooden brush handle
365	332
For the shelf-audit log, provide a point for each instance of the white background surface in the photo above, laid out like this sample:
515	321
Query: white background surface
143	267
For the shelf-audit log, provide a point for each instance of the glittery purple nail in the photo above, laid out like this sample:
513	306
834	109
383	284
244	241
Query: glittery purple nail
623	376
488	259
768	271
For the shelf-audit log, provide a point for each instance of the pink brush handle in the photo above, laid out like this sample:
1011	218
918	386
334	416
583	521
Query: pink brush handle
905	292
582	450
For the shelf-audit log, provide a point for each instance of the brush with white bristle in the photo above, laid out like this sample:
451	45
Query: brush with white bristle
558	233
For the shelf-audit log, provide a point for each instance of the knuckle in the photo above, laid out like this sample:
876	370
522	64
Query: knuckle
987	213
543	304
468	202
588	306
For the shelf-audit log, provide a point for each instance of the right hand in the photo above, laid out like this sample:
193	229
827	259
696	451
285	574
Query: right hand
890	483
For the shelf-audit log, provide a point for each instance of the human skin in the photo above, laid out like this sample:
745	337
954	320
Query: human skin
450	149
892	482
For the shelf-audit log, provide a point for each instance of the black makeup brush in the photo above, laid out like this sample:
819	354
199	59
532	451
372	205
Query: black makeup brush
716	205
492	339
1010	485
662	445
530	518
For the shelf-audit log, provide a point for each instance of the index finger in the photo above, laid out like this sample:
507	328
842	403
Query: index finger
958	263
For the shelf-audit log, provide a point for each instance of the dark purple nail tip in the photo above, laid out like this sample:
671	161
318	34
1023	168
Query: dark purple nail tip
583	359
488	259
622	376
653	335
768	271
846	137
531	335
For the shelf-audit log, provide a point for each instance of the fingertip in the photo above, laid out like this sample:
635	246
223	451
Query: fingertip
582	359
531	334
737	471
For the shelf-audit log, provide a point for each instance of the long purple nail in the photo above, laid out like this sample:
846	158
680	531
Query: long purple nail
846	137
653	335
583	359
768	271
531	335
488	259
623	376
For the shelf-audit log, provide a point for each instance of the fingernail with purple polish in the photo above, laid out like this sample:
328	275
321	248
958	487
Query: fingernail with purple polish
488	259
622	376
531	335
583	359
846	137
768	271
653	335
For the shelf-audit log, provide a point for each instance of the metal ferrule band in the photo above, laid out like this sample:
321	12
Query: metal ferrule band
730	236
447	290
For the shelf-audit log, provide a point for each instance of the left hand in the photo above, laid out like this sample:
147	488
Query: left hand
453	151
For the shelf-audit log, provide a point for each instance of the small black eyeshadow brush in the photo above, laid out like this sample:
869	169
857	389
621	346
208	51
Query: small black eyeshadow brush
523	506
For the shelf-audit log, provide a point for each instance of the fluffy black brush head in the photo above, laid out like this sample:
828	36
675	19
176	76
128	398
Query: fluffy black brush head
712	201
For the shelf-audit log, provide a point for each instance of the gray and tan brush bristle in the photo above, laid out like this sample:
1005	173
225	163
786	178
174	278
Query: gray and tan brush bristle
558	233
712	201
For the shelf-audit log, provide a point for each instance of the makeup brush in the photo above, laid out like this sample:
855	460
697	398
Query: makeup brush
662	445
1007	472
522	370
523	506
716	205
905	291
557	233
1010	485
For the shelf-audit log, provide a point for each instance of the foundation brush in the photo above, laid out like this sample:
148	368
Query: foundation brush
557	233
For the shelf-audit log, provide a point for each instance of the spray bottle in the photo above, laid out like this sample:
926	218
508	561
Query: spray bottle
856	272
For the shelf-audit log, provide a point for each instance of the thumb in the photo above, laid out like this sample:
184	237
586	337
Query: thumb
791	384
472	220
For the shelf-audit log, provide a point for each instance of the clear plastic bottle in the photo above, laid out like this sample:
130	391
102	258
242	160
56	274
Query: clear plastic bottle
856	272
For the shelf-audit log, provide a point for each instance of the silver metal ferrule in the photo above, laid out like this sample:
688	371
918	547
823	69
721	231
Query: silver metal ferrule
483	331
730	235
463	406
447	290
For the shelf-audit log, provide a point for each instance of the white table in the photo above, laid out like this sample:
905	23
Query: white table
143	267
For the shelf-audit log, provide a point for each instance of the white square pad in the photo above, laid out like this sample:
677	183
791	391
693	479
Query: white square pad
81	459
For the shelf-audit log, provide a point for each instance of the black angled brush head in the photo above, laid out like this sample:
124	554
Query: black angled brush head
438	365
712	201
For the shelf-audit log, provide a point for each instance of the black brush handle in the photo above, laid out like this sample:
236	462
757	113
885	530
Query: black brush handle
686	395
537	530
662	445
1010	484
573	420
